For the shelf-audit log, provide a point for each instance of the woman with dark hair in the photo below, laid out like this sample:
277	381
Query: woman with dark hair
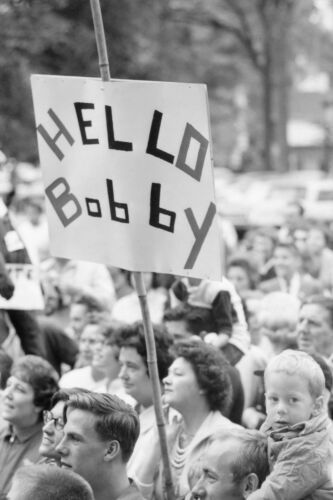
137	384
199	388
28	392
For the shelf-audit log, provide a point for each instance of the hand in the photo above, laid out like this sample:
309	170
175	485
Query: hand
217	340
252	418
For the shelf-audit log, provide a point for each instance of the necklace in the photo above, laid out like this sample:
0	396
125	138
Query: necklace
181	452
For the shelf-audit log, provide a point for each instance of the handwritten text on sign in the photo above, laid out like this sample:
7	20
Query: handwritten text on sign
128	175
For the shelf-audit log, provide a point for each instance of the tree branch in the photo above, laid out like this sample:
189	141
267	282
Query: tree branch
246	36
246	41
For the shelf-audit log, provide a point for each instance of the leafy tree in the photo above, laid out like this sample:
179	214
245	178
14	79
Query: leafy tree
265	31
57	37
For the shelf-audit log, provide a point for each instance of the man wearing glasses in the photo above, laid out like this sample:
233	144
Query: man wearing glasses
54	425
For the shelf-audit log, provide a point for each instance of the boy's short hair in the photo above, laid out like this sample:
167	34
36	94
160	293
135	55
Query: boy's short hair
41	482
299	363
114	419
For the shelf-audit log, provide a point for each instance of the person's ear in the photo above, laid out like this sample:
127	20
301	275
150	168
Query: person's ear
249	484
112	451
318	406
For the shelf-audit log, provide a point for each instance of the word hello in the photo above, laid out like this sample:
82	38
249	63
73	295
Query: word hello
190	134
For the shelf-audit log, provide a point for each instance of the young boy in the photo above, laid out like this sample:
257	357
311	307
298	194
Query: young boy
298	431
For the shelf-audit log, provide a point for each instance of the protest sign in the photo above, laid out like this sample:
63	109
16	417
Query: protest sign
16	266
27	292
128	173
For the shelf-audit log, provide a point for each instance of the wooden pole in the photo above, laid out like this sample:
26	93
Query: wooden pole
103	59
154	377
139	283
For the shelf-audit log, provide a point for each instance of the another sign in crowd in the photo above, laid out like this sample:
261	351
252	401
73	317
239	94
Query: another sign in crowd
245	366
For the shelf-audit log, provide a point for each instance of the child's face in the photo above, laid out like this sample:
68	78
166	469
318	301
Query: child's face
288	399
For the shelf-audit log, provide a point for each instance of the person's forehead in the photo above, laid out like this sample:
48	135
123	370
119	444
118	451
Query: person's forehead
91	331
81	422
130	354
182	364
221	454
315	311
286	382
17	379
58	409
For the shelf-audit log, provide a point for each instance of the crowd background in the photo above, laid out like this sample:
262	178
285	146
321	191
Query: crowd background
214	341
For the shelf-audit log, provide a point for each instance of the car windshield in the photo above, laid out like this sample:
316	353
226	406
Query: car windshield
325	195
287	193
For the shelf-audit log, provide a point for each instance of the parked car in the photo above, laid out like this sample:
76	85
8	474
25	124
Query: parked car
318	202
315	195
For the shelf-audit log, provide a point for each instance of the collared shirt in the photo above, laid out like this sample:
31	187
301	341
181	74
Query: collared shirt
15	448
131	493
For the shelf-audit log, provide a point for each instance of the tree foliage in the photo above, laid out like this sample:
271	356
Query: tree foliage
224	43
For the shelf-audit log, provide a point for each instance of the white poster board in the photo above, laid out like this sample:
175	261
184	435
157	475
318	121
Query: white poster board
27	292
128	174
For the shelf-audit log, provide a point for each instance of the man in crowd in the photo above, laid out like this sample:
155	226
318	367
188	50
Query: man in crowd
41	482
99	436
315	327
234	466
84	310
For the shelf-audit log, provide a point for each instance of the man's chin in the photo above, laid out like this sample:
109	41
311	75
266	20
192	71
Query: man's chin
306	347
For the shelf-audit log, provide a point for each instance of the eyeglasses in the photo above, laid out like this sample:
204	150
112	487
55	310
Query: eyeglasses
58	422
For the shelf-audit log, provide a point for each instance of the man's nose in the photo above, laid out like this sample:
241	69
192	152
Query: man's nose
61	448
48	427
8	392
303	325
198	491
123	372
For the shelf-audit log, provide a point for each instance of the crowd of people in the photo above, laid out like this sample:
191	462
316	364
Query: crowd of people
245	369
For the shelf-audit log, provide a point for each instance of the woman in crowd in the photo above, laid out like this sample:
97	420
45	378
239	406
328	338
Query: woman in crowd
28	393
199	388
85	375
137	384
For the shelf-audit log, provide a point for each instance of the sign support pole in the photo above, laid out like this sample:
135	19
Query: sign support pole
139	283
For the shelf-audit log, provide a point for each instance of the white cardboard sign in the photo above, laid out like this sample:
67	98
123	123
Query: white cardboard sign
27	292
128	174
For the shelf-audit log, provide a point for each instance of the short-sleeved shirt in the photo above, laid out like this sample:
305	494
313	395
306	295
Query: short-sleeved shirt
15	448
